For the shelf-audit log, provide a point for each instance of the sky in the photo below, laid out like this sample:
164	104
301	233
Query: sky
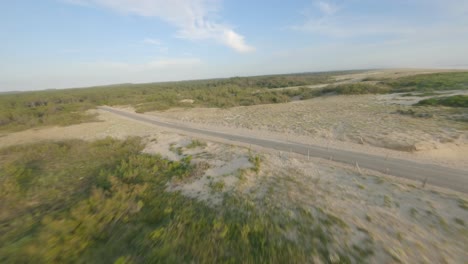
49	44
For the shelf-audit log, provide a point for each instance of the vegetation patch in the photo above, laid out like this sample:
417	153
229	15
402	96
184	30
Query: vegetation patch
459	221
105	202
217	186
256	161
462	204
452	101
19	111
196	144
413	113
429	82
356	88
25	110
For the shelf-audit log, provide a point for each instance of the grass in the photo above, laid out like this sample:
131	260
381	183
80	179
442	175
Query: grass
256	162
429	82
217	186
459	221
452	101
106	202
414	113
423	94
177	150
462	204
196	144
424	85
379	180
356	88
413	212
387	201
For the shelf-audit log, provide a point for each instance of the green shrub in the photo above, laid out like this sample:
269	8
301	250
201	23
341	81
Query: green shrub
430	82
256	162
106	202
356	88
452	101
195	144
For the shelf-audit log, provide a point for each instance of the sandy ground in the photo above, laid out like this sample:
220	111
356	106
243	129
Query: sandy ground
368	123
404	221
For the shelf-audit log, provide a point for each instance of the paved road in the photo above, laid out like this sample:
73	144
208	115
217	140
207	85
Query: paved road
454	179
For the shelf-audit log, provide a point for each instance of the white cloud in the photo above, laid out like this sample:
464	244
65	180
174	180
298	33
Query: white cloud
194	19
327	8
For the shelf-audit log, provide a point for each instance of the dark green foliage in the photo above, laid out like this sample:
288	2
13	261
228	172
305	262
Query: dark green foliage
105	202
430	82
356	88
423	84
25	110
453	101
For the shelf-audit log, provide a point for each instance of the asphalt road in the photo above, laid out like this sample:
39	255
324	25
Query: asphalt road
450	178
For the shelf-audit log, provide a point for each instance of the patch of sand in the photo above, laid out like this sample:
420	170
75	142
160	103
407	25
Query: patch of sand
226	166
362	123
401	219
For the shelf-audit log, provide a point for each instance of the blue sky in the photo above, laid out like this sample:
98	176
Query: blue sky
75	43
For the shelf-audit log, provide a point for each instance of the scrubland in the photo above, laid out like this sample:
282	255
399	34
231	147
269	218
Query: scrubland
83	185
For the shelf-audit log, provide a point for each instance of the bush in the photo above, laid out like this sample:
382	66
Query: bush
195	144
356	88
430	82
452	101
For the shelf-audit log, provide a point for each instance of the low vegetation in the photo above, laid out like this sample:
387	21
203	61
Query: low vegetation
414	113
256	162
452	101
106	202
20	111
64	107
429	82
356	88
196	144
